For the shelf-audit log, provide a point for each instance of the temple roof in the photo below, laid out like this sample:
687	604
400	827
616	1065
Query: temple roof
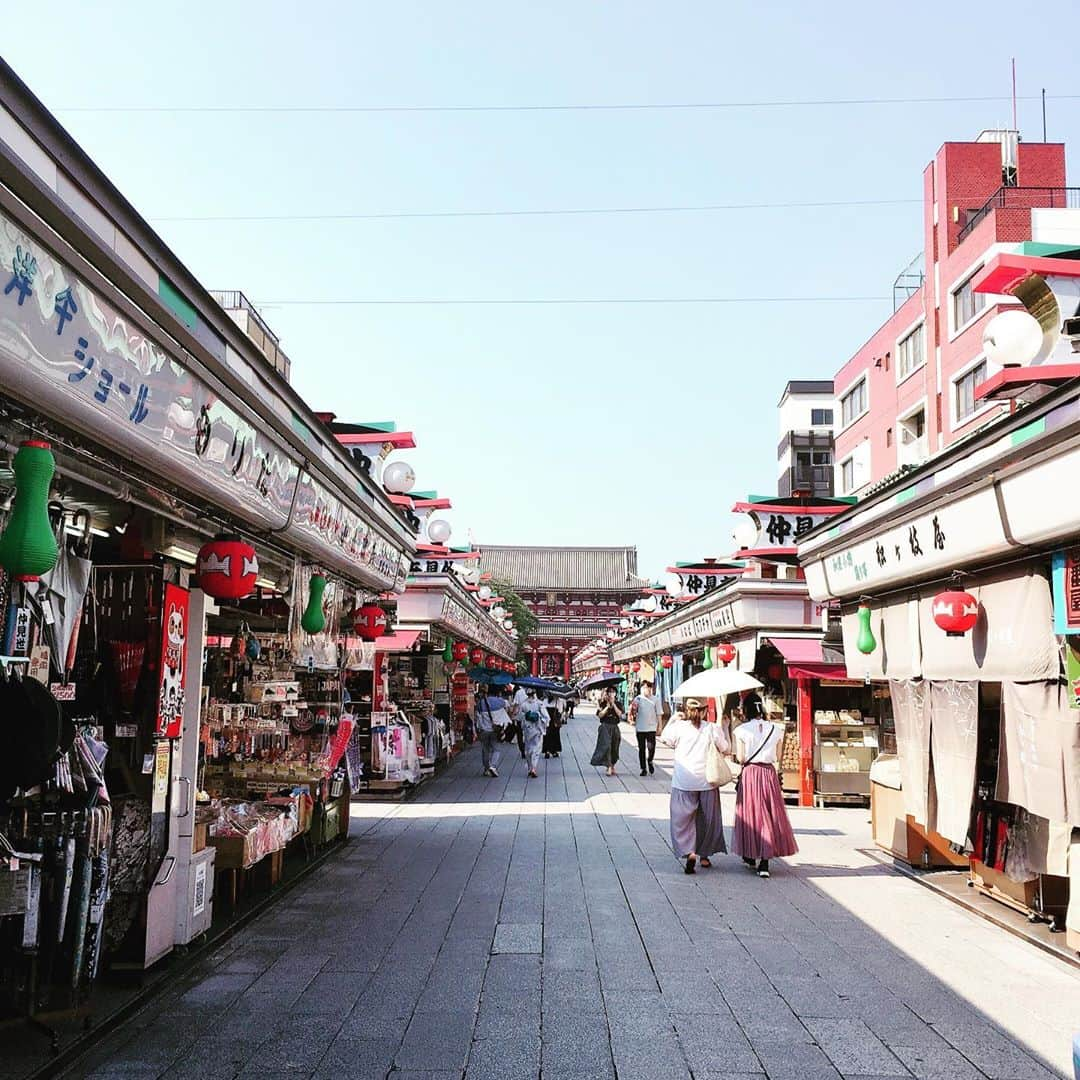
572	569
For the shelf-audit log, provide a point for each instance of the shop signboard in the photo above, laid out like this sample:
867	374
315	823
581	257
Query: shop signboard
64	349
1066	574
938	540
173	666
1072	670
723	618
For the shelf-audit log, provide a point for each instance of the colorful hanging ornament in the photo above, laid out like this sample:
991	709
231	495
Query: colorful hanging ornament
636	665
955	612
28	546
369	622
448	651
476	656
667	662
226	568
707	663
461	650
314	618
865	642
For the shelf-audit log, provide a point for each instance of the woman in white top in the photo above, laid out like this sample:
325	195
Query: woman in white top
697	823
762	828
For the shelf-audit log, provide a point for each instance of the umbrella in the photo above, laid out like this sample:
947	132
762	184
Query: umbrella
715	683
489	678
539	684
600	682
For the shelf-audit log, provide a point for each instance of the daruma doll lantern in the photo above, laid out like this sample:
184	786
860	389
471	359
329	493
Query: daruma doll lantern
226	568
369	622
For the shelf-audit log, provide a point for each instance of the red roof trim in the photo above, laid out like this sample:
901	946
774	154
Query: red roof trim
432	504
781	508
1010	382
399	440
1005	271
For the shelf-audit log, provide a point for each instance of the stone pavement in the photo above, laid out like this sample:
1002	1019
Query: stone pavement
511	929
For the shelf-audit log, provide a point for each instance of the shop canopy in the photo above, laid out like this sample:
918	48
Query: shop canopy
398	641
804	659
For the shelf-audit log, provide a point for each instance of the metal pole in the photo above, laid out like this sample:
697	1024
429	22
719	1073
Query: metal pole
1014	92
1044	112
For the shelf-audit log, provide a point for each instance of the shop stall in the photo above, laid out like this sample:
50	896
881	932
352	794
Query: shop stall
956	594
142	434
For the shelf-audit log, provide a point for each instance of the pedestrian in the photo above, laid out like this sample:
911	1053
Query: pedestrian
762	828
553	737
645	716
533	721
608	736
570	701
513	729
697	822
489	718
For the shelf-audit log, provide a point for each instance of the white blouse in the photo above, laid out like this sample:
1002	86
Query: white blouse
690	745
750	735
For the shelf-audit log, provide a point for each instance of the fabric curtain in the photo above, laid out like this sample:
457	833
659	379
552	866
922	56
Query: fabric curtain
1013	639
1039	754
898	654
954	729
911	712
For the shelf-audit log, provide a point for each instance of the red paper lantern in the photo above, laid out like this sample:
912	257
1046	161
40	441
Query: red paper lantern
955	612
369	622
666	662
636	665
461	650
226	568
476	655
725	652
491	660
775	672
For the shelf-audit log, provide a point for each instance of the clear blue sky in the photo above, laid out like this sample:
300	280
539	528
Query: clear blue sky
550	424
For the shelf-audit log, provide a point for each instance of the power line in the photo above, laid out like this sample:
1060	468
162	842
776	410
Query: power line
577	211
587	107
629	300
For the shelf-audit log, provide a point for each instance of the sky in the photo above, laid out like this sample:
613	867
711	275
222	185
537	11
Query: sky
549	423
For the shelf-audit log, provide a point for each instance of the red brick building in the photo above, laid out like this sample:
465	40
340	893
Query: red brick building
909	391
574	592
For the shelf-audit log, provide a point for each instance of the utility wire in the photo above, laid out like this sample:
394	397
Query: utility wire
394	215
614	107
630	300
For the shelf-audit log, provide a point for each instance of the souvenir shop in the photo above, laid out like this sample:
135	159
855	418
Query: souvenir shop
958	593
177	557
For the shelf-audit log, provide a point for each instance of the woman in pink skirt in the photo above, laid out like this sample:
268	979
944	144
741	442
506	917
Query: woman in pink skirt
762	829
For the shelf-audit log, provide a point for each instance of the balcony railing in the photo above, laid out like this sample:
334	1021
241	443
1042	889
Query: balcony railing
815	479
1022	198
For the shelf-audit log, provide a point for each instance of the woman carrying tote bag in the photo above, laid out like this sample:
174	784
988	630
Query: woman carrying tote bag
697	822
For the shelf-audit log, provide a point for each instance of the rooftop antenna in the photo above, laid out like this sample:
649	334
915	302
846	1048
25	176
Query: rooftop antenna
1044	112
1015	128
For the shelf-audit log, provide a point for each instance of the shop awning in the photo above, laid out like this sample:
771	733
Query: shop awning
804	659
398	641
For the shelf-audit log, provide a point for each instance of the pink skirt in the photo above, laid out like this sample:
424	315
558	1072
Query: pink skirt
762	829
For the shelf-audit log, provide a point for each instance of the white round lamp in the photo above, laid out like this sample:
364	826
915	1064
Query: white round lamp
398	477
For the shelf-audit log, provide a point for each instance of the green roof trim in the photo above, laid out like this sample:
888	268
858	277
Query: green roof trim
1048	251
176	303
906	495
302	429
423	494
1029	431
387	426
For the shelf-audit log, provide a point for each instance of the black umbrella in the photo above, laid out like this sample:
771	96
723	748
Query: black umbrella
602	681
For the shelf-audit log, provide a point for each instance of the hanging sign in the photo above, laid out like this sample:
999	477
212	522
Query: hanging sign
1072	671
1066	576
39	664
173	666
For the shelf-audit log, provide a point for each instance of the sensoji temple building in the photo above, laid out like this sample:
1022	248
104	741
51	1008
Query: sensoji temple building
574	592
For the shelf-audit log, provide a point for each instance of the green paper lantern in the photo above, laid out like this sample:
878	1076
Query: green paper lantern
448	651
28	547
314	618
707	662
865	642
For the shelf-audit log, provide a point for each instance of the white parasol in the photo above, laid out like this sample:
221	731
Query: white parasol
716	683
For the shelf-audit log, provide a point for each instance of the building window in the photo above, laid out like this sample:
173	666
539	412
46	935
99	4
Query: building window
909	353
847	475
853	403
965	391
822	457
820	417
966	303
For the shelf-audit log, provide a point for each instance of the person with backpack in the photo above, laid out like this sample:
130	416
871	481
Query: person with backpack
645	716
489	716
533	719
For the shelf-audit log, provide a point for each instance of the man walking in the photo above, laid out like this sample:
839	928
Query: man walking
645	715
488	707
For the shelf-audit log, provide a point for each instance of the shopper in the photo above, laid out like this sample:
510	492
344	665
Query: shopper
513	729
489	717
645	716
533	721
762	828
553	737
697	822
608	736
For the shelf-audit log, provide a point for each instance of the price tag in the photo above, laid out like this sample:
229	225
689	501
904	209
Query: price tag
62	691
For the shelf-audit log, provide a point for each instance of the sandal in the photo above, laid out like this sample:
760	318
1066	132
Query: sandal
705	862
691	862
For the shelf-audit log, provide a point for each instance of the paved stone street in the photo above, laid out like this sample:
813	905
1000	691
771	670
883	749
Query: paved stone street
506	929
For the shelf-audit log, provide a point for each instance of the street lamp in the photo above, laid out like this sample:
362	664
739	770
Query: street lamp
398	477
439	530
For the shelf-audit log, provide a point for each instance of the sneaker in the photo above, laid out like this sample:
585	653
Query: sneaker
763	868
487	772
763	873
532	775
644	773
493	771
651	770
691	865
